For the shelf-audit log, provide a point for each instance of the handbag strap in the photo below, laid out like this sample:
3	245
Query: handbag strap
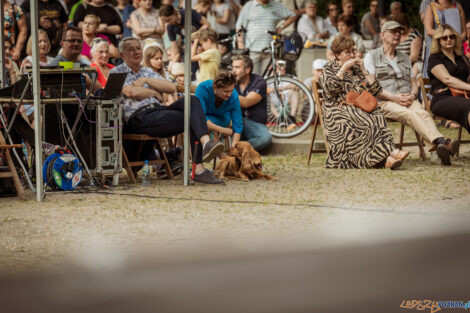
434	11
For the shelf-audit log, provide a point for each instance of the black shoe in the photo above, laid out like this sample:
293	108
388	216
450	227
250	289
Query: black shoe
211	150
444	154
452	146
207	177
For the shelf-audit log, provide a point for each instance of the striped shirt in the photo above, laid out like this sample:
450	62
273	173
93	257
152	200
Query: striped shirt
257	19
405	46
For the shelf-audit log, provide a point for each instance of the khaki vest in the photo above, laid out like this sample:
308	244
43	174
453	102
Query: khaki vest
385	74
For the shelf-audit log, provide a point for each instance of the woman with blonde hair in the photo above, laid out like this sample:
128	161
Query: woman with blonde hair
44	48
356	139
448	68
91	24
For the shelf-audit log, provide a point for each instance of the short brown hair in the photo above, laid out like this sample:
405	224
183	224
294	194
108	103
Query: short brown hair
346	19
224	79
208	33
70	29
342	42
247	62
166	10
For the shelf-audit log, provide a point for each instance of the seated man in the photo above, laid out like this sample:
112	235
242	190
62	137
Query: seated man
392	69
72	42
144	114
252	94
221	105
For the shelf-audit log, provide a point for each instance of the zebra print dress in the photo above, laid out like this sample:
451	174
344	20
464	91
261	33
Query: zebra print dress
356	139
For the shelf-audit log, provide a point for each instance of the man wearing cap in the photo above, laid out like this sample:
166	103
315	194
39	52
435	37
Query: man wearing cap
252	93
317	69
392	69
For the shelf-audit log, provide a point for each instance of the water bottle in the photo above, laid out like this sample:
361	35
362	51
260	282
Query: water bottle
146	174
25	151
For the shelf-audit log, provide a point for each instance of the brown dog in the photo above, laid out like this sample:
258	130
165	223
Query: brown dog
242	162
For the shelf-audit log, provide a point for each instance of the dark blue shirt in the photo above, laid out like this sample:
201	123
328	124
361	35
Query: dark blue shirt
174	30
257	112
126	15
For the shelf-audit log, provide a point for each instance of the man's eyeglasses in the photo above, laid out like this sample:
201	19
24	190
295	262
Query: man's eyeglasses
396	31
333	9
74	40
450	37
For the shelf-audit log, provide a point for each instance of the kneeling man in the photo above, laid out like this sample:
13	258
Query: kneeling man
252	93
392	69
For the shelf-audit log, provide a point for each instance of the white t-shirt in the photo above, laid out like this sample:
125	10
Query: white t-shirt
309	28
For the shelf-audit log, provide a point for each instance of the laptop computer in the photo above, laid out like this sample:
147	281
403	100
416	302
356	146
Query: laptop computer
113	86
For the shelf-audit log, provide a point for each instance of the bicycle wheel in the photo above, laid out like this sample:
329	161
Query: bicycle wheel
290	106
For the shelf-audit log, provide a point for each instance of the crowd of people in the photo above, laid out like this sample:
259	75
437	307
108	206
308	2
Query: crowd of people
379	54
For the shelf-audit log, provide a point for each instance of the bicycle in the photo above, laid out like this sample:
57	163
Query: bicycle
290	103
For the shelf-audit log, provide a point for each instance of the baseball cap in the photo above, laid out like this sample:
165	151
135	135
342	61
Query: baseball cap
390	25
319	64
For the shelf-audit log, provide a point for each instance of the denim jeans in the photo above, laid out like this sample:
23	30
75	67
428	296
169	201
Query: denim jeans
256	134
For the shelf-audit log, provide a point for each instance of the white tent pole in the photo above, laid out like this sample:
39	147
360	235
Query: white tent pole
187	85
37	102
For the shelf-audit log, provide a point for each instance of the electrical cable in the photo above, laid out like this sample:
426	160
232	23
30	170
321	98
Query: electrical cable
310	205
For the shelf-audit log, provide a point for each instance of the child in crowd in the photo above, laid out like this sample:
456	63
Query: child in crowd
317	70
209	59
177	71
153	58
172	57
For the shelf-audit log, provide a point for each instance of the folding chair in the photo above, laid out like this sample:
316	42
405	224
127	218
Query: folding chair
318	97
425	86
11	173
141	138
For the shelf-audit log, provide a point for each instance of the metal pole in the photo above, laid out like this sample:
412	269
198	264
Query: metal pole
2	47
187	85
37	103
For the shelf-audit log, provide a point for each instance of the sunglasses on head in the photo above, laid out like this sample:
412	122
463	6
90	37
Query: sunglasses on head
451	37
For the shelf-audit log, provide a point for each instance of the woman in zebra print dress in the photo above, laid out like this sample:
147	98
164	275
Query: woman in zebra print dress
356	139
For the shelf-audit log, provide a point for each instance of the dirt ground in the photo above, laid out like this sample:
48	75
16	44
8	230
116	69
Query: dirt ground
36	236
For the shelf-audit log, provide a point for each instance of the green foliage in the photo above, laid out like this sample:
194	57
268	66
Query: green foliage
410	8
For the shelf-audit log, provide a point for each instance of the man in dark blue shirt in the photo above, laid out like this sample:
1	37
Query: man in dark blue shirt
252	93
174	20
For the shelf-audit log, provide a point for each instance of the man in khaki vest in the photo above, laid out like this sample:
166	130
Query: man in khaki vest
392	69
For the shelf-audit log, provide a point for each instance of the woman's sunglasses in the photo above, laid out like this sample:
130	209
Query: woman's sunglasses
451	37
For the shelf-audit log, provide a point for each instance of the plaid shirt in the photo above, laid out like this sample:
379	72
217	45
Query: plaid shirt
132	104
